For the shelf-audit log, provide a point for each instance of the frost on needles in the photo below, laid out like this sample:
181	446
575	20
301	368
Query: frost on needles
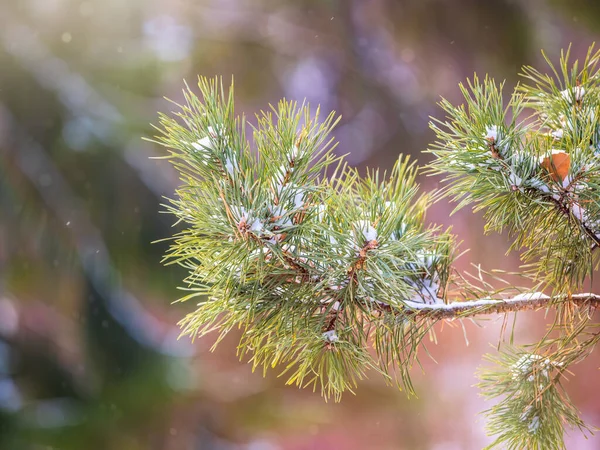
329	274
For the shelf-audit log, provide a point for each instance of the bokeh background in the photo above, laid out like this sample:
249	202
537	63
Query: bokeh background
89	356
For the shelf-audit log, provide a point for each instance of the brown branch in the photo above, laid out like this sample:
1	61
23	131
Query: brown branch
567	212
461	310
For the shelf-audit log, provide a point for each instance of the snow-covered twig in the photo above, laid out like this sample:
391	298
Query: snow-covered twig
528	301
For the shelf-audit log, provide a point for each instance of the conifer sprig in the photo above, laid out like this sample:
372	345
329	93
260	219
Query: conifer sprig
532	165
314	270
534	408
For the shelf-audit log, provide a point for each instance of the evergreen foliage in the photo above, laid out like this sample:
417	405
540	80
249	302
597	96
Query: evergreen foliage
329	274
532	166
311	268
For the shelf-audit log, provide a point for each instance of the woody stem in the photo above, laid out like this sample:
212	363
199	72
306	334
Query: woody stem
461	310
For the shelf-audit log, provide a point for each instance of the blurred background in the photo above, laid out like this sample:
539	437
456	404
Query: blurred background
89	356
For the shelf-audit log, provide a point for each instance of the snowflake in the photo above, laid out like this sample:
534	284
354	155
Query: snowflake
293	153
298	199
558	134
205	144
367	230
534	425
491	133
575	93
524	367
579	212
331	336
245	217
202	144
230	165
429	291
256	226
515	180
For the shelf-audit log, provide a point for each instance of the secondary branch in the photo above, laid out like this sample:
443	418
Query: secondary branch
522	302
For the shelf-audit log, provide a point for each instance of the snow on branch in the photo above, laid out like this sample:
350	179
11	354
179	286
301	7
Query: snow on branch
521	302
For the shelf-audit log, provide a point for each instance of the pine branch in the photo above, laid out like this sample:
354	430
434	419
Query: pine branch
305	264
331	277
532	165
